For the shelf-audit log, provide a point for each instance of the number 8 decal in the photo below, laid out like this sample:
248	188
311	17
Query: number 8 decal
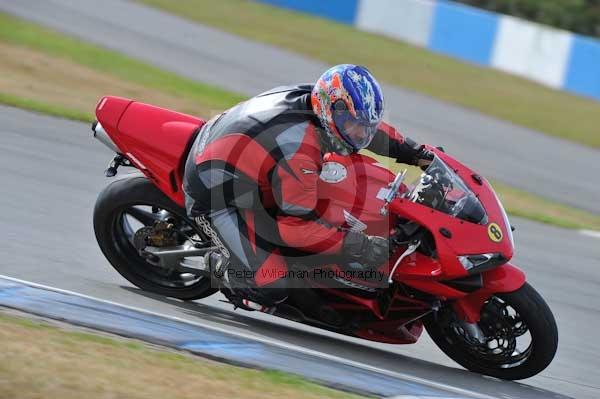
494	232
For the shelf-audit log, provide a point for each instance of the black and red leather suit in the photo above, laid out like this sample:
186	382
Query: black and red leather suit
254	170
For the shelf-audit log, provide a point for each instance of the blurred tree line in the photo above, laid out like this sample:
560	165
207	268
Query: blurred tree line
581	16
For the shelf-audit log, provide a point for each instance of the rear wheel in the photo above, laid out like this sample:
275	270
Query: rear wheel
519	336
125	213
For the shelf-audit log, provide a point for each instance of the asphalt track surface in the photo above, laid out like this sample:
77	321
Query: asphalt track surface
52	171
544	165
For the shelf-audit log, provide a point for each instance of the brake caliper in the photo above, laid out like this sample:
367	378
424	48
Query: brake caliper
161	234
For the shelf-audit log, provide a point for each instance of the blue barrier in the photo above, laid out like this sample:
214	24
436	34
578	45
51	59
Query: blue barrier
338	10
463	32
469	34
583	70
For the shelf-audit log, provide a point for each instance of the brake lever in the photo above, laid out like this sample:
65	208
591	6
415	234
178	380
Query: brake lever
409	250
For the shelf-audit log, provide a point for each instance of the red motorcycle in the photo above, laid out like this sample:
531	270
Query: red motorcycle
449	272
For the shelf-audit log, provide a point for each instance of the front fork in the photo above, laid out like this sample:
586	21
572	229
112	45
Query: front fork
505	278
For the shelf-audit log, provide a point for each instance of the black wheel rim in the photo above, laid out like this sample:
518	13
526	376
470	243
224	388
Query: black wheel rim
508	341
127	220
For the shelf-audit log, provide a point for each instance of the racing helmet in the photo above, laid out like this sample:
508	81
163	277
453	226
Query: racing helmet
349	104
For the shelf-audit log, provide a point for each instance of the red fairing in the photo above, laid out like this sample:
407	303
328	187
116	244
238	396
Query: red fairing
154	139
392	331
109	111
348	188
428	275
505	278
416	267
466	238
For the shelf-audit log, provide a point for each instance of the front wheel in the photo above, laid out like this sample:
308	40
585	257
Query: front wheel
517	338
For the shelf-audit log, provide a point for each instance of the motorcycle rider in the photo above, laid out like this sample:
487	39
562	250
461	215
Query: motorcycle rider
253	171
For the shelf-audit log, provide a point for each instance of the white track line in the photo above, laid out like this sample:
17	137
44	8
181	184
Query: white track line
590	233
280	344
419	397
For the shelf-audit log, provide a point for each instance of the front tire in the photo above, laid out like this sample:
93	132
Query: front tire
531	316
136	196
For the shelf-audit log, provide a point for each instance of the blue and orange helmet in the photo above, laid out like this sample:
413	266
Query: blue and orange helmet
349	103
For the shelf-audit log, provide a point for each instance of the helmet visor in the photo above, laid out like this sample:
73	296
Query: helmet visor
356	133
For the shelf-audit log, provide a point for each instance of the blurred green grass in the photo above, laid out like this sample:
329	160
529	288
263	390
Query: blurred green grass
491	92
22	33
45	108
41	360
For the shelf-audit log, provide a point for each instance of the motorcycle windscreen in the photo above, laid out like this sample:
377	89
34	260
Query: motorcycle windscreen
440	188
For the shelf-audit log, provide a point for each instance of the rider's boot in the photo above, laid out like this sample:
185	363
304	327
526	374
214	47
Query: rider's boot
238	290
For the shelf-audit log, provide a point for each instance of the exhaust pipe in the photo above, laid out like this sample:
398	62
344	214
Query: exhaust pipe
103	137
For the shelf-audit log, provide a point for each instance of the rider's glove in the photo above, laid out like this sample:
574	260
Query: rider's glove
368	250
423	158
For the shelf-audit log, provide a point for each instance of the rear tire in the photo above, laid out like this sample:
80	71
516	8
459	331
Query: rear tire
537	318
111	204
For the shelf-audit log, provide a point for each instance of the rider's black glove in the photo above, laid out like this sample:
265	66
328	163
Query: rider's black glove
368	250
423	158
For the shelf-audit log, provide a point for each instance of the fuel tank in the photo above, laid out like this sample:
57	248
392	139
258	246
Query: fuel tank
351	191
